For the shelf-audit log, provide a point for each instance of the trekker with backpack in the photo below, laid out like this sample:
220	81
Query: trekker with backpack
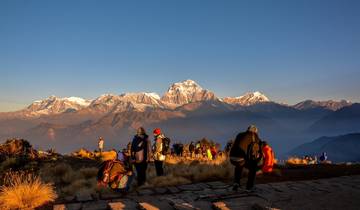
246	152
140	154
160	149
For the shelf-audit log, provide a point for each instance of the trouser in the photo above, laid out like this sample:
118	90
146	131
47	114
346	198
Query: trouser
159	167
141	172
239	166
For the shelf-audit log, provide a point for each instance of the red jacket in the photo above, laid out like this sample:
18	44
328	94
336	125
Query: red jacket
269	159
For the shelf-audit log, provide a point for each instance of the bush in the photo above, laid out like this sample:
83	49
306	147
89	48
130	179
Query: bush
105	155
25	191
180	170
299	161
69	181
8	163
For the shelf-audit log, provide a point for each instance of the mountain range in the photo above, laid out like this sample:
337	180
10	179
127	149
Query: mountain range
186	111
338	148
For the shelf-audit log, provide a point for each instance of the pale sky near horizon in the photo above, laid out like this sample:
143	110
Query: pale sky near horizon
289	50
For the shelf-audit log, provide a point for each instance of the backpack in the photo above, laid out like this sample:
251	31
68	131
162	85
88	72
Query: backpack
111	173
103	175
254	152
165	145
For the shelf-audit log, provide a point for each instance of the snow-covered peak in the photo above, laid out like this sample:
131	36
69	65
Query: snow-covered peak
247	99
106	99
186	87
56	105
185	92
78	100
141	98
153	95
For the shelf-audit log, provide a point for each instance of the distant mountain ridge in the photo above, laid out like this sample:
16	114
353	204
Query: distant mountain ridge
338	148
178	94
330	104
346	119
184	111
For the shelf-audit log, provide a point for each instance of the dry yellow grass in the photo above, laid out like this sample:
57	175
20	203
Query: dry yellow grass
105	155
180	170
25	191
299	161
69	181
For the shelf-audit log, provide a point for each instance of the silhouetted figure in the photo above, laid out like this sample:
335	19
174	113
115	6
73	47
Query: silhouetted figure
323	157
246	152
191	149
181	149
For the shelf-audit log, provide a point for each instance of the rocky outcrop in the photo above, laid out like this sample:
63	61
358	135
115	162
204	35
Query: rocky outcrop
17	148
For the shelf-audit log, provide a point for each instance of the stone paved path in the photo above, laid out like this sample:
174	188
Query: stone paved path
333	193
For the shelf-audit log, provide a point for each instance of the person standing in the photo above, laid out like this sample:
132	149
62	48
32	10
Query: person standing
191	149
158	148
208	153
246	152
140	154
197	150
101	144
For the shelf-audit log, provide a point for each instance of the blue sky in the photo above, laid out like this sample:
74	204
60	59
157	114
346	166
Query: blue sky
290	50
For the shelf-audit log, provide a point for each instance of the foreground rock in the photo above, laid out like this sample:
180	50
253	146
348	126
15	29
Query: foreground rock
335	193
19	148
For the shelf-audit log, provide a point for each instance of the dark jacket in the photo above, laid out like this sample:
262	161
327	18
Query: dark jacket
140	142
241	143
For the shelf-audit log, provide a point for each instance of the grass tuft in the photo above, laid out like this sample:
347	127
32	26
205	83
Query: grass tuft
25	191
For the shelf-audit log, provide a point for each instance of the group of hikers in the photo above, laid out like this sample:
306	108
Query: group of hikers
246	151
195	150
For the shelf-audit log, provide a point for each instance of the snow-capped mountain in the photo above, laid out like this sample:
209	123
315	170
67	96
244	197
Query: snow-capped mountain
185	92
125	102
55	105
185	111
142	98
104	103
247	99
330	104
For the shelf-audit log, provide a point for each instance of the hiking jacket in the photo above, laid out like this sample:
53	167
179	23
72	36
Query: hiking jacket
239	148
141	142
158	148
209	155
269	159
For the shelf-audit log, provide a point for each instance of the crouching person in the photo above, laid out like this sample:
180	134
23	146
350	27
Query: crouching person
246	153
116	174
